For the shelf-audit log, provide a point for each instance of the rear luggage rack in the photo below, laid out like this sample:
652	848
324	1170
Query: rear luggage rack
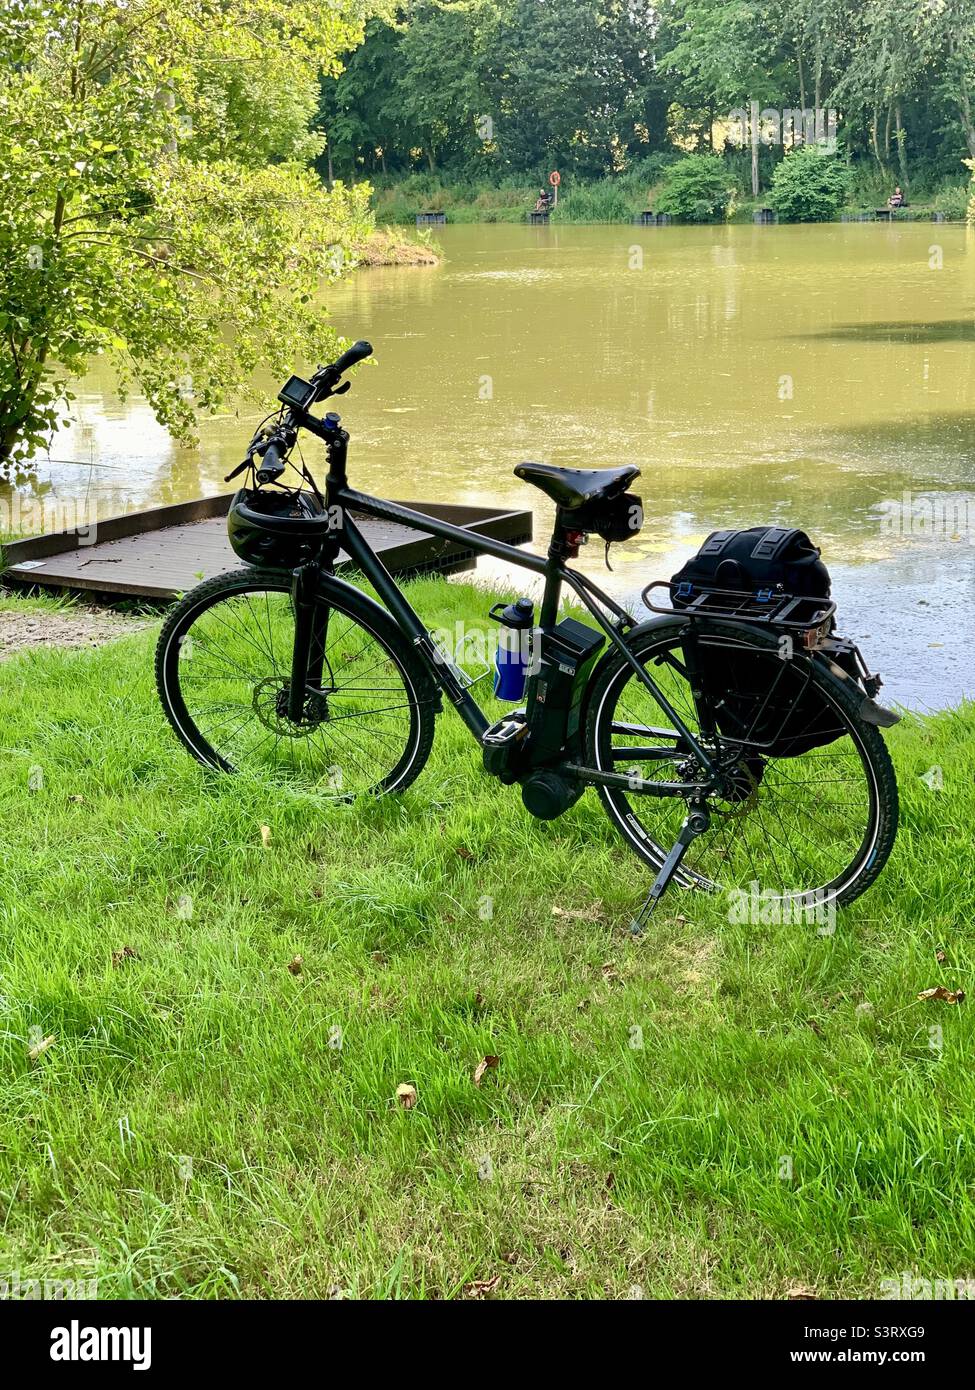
763	607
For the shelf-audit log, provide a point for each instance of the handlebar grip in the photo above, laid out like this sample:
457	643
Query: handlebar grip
352	355
271	464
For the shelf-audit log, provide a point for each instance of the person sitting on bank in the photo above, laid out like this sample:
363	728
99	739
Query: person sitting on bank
896	199
544	200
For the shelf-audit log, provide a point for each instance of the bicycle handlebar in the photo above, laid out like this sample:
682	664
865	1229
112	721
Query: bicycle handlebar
274	452
351	356
272	465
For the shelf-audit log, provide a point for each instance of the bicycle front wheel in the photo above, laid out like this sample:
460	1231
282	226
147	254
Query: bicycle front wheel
820	823
223	670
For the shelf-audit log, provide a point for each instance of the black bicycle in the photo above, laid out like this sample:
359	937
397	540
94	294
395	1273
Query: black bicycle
285	671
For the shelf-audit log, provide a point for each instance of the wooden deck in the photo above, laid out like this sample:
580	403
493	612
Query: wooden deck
165	551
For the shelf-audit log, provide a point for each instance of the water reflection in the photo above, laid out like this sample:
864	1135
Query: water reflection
802	375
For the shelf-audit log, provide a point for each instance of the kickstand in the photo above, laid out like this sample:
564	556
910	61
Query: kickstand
695	823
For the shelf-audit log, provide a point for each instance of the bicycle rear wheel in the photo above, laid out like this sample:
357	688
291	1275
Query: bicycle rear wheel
223	670
821	823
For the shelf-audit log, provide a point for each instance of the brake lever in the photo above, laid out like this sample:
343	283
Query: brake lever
247	463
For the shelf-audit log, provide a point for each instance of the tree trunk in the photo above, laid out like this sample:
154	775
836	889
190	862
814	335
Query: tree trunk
753	123
802	85
890	112
331	168
875	143
968	125
382	156
819	72
901	136
433	167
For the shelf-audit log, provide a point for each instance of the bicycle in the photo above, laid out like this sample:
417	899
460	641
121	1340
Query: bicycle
286	671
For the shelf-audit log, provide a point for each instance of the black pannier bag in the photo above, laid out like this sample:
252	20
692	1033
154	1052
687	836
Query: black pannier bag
779	711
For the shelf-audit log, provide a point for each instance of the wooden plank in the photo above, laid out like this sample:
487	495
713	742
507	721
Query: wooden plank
168	550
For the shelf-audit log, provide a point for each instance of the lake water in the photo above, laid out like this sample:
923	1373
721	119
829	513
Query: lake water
808	376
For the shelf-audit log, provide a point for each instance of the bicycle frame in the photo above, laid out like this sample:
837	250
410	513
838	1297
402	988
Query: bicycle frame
309	645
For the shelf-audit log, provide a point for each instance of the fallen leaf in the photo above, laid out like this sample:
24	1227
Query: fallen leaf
76	798
464	852
34	1052
940	956
484	1065
511	1257
126	953
609	971
800	1292
480	1287
950	996
265	835
295	965
406	1095
578	914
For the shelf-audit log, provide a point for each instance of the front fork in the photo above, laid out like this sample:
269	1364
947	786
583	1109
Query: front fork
311	638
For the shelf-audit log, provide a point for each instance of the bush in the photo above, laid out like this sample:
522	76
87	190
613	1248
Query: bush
952	200
696	189
809	185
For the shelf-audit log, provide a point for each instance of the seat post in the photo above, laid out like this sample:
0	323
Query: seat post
563	546
566	539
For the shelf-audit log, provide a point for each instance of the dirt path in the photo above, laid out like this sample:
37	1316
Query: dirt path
74	627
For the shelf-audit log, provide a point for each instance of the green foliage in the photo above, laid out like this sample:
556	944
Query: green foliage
952	201
696	189
139	213
810	185
485	90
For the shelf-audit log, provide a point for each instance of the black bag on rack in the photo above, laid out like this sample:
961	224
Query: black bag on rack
775	710
764	561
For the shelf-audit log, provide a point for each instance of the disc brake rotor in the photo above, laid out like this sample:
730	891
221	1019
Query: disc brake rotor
270	701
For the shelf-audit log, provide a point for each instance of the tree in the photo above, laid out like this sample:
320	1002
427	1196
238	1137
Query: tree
138	214
946	28
438	82
725	57
360	110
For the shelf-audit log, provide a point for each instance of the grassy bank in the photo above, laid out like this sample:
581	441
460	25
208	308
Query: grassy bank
393	245
621	199
713	1110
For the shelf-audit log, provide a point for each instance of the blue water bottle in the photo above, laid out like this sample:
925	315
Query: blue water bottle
514	647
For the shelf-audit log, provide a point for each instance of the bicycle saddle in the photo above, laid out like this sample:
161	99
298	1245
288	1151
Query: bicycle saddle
571	487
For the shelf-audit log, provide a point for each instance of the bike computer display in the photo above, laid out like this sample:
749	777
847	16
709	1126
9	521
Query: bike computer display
297	392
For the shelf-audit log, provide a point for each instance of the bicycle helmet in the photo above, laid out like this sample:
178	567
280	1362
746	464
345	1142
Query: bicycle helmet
275	527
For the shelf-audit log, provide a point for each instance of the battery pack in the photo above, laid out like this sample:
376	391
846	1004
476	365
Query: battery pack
568	654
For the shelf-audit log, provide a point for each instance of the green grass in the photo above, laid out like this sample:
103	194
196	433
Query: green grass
611	1166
